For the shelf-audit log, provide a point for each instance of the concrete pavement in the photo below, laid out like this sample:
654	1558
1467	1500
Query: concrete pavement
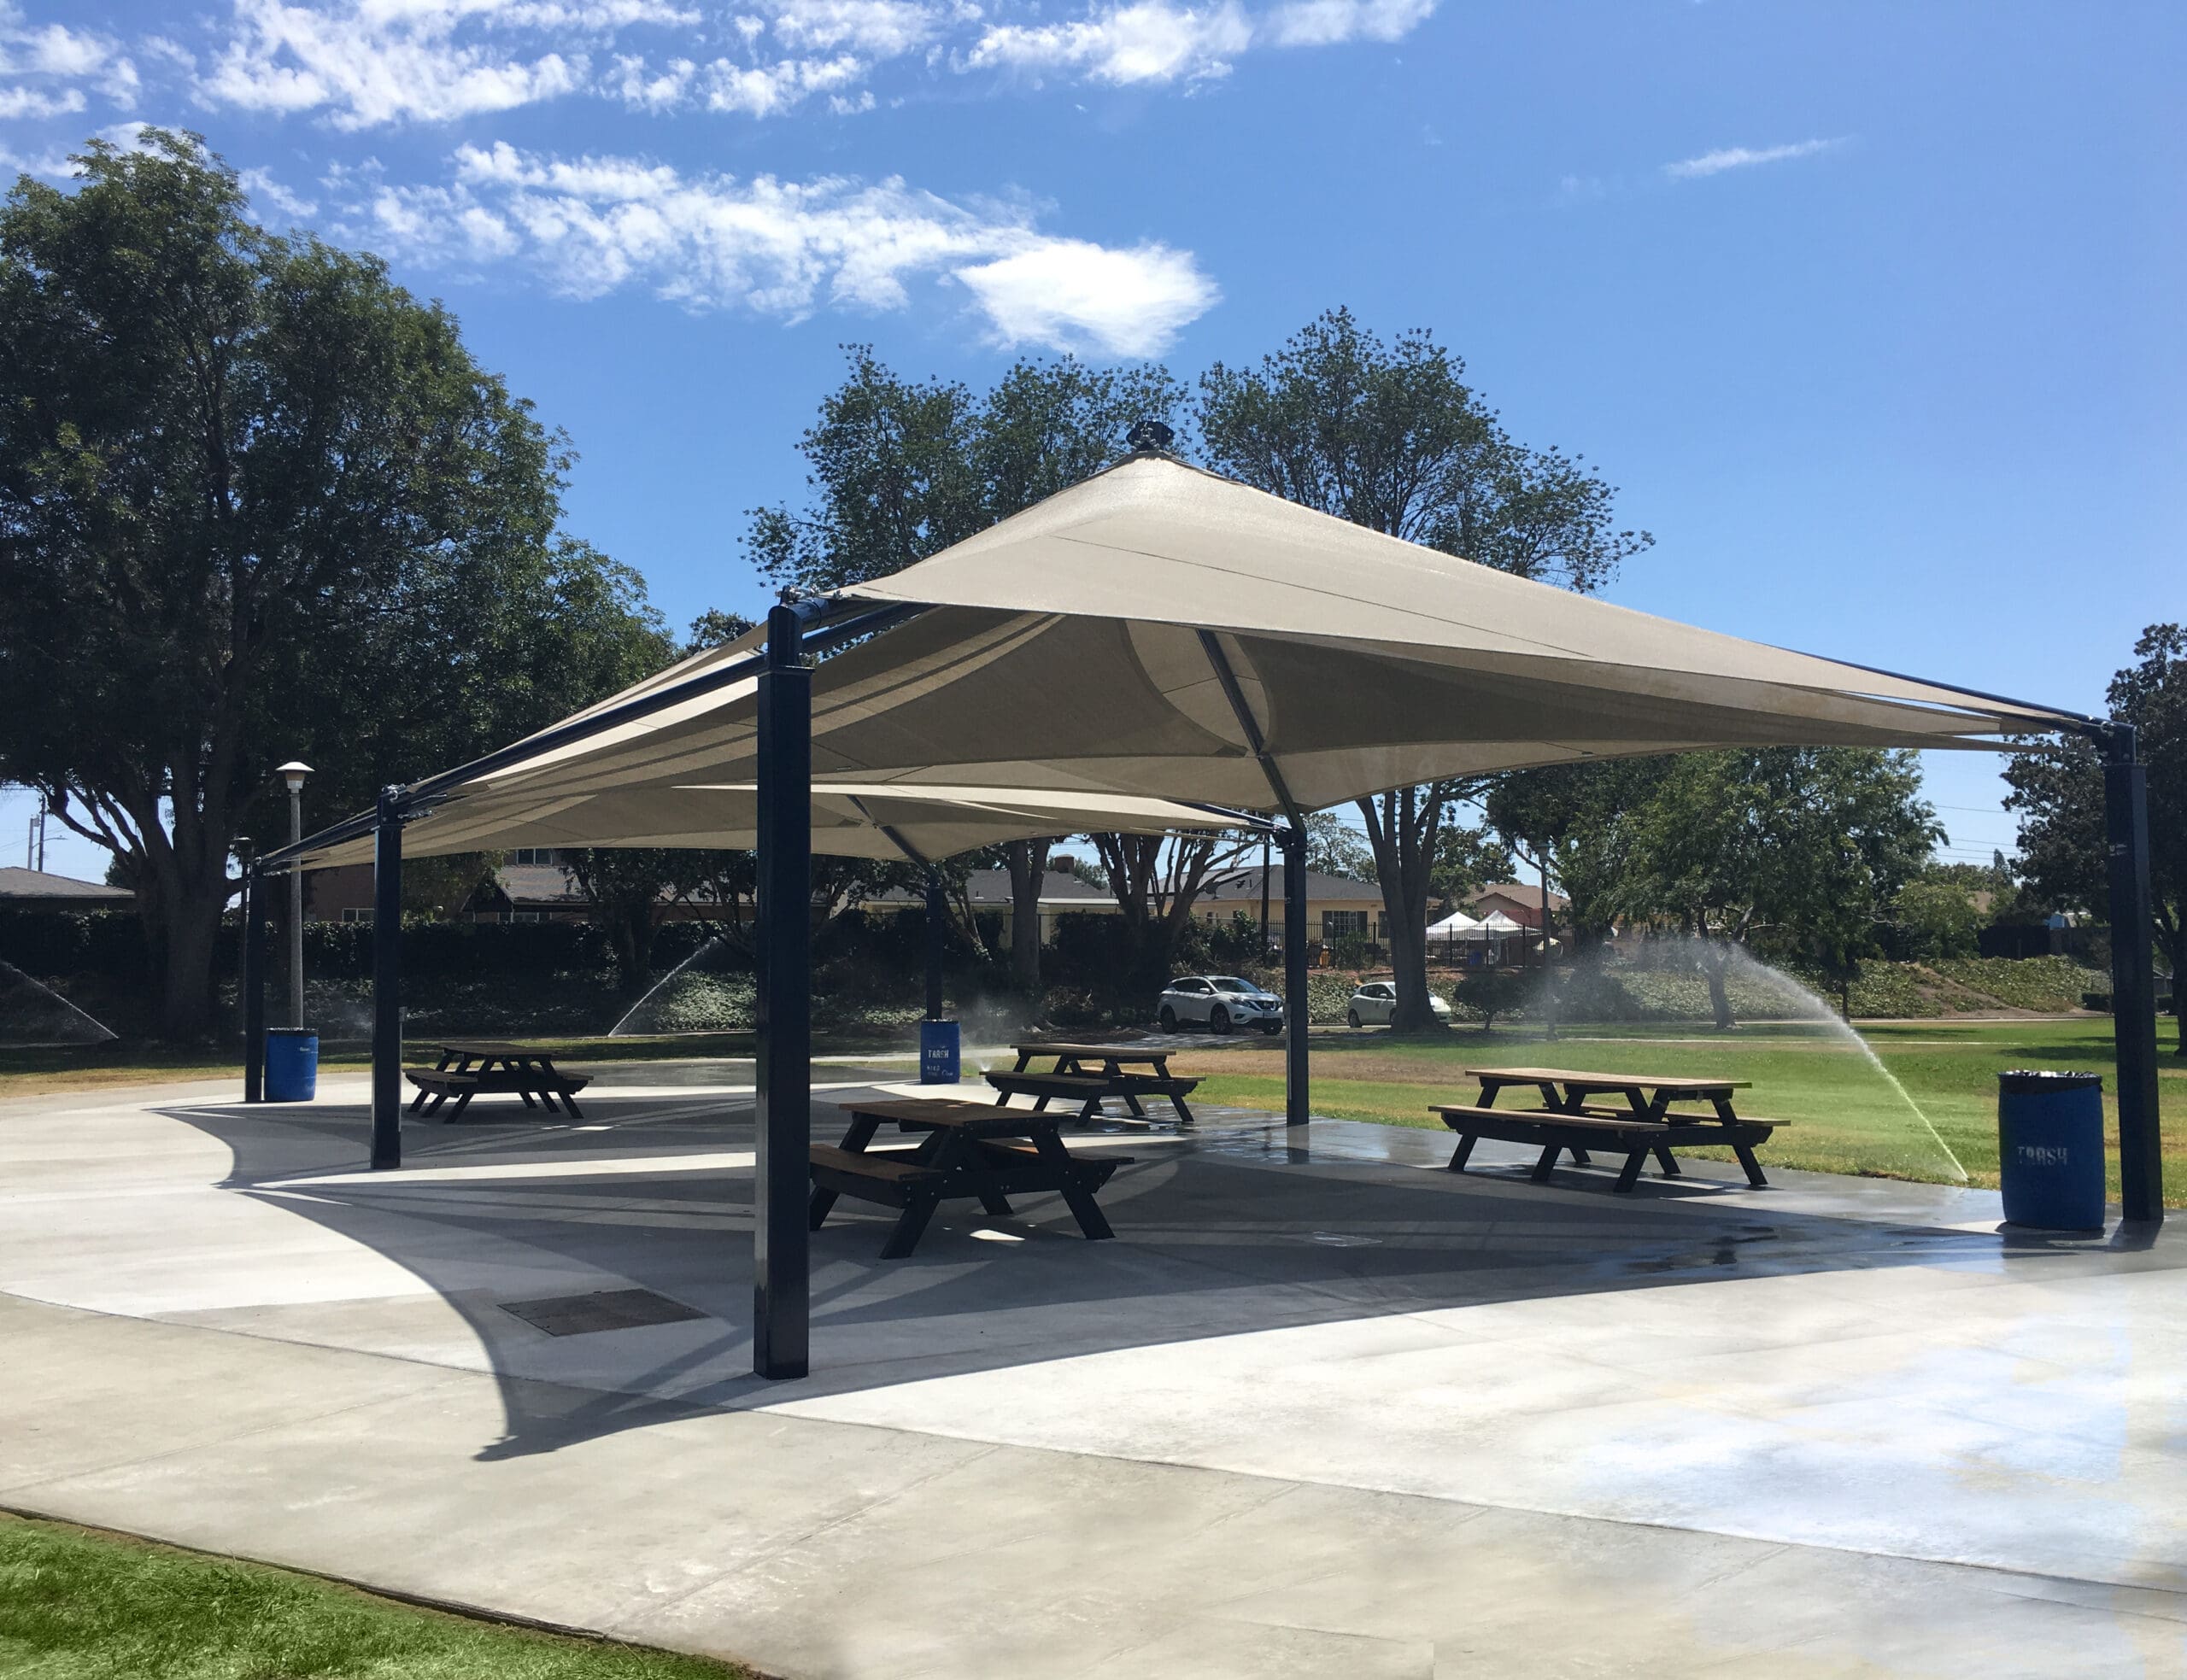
1326	1410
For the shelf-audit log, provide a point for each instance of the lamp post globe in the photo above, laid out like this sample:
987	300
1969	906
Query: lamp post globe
293	773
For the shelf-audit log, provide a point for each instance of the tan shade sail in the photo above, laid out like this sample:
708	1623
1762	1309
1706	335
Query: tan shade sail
1064	648
848	821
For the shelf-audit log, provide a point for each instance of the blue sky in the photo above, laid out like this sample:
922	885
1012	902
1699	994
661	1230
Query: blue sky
1872	310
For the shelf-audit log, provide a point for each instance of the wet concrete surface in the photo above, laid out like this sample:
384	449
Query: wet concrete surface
1322	1406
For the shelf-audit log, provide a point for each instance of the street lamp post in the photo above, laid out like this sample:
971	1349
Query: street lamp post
294	773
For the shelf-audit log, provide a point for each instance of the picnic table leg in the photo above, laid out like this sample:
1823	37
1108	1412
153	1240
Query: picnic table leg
462	1103
1633	1164
816	1211
1075	1196
1548	1162
418	1102
1745	1153
1131	1101
1184	1113
1463	1153
958	1155
911	1226
1663	1157
1723	1105
571	1103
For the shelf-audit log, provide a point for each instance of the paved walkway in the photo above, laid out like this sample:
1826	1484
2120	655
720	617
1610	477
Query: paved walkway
1326	1411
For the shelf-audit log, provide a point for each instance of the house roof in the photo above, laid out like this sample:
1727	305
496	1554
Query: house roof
16	883
1519	892
1236	885
991	887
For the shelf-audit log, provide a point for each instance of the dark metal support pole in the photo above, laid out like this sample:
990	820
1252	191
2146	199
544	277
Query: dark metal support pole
1264	872
1297	1108
782	1283
387	982
937	925
252	933
2133	989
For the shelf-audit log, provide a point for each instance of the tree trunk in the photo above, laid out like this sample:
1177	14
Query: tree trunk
1401	828
187	938
1720	996
1028	863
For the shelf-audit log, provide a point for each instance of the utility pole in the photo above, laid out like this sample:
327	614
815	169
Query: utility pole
294	773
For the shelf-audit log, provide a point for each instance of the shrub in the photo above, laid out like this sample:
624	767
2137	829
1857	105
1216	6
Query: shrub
1485	993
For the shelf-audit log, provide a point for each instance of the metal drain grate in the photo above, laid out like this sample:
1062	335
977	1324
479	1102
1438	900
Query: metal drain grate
608	1310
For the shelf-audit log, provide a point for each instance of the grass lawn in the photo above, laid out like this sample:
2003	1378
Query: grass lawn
1845	1116
37	1072
76	1605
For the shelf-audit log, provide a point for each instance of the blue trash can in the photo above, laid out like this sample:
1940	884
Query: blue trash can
938	1052
291	1065
2050	1149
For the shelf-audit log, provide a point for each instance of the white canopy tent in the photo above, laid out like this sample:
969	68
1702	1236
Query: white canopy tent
1457	925
1160	633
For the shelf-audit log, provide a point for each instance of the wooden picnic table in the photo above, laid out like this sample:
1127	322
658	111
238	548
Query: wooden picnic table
1090	1073
970	1150
1569	1119
1649	1095
468	1067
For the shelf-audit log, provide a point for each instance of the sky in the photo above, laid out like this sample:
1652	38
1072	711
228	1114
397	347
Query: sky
1872	311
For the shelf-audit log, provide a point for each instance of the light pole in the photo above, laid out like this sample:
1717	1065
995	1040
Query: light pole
294	773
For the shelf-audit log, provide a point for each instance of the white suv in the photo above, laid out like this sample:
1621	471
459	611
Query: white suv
1374	1004
1221	1001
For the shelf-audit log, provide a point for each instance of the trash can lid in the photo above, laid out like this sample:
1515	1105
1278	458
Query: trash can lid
2037	1078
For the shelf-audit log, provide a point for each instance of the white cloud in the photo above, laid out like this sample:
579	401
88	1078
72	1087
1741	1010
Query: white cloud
590	225
362	64
1742	157
644	91
260	184
769	90
1156	41
370	61
46	62
877	28
31	102
1321	23
1151	42
1066	293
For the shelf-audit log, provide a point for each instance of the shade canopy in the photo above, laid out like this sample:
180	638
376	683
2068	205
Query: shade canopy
1079	645
1106	641
1456	926
928	824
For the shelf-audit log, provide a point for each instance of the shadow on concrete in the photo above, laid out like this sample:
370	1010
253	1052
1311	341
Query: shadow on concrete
1228	1229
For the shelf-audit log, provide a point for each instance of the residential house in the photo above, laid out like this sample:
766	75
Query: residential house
1517	900
35	889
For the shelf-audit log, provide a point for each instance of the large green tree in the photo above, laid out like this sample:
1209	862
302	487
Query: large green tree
1390	435
257	502
1799	852
2059	794
901	469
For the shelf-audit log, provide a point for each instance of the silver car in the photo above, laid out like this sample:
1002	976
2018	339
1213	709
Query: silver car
1220	1002
1373	1004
